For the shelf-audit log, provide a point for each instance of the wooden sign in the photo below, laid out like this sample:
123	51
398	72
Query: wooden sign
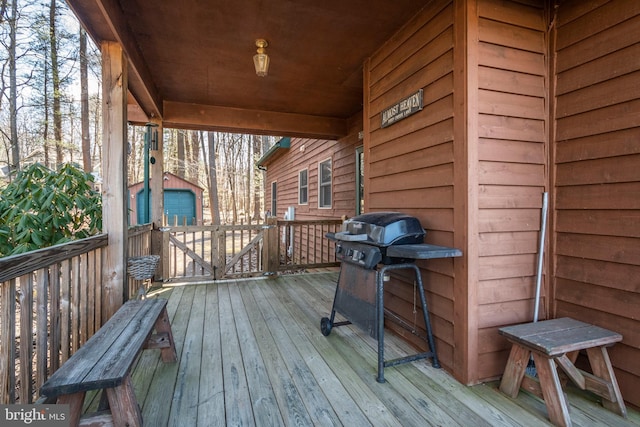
402	109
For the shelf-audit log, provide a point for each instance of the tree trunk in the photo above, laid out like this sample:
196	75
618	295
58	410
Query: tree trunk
249	175
55	75
84	104
194	149
256	177
45	106
13	90
181	155
212	179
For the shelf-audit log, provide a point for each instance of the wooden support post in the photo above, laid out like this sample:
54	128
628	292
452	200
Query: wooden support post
514	371
270	247
157	203
162	326
114	180
602	368
75	402
123	404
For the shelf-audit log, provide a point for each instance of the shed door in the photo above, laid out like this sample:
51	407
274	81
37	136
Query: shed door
178	203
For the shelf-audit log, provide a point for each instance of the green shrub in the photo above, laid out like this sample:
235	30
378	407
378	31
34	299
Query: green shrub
43	208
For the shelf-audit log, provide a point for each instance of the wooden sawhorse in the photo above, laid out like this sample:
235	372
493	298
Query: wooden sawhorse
557	342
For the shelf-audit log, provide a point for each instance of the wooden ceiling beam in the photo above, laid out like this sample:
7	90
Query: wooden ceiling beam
111	25
228	119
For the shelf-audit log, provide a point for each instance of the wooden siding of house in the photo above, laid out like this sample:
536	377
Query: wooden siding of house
307	153
597	174
409	166
512	174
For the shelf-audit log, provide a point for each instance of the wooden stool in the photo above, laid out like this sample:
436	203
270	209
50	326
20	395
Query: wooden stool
558	342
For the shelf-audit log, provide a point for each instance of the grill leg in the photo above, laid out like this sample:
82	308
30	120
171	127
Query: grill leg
427	321
380	320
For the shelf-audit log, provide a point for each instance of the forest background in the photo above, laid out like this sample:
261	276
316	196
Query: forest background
50	113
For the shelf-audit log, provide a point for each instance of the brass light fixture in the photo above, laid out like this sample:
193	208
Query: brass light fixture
261	59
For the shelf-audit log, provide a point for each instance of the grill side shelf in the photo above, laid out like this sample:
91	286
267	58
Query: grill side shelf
422	251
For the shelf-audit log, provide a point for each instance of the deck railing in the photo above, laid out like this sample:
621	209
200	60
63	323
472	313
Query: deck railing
51	299
244	250
303	245
50	304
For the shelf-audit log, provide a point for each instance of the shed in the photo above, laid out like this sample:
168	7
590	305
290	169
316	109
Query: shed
182	201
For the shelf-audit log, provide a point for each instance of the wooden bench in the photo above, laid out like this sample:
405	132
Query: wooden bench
557	342
104	362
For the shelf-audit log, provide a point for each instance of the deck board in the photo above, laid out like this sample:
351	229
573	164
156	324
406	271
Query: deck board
250	352
286	393
211	410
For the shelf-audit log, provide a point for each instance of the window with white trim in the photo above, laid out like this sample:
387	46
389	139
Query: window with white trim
324	184
303	187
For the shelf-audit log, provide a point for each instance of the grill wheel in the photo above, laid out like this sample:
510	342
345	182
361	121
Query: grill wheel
325	326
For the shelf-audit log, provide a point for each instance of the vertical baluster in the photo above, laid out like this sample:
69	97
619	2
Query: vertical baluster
25	302
42	296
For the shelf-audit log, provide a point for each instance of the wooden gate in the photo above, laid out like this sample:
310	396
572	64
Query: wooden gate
245	250
216	251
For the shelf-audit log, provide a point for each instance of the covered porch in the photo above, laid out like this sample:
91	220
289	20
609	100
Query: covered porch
520	98
250	352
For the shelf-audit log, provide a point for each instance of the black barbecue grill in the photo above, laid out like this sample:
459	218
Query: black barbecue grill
369	246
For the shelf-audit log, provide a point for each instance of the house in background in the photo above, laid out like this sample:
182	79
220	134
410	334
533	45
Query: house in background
182	201
318	178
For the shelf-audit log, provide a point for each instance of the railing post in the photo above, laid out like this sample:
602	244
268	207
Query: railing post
270	249
160	246
220	258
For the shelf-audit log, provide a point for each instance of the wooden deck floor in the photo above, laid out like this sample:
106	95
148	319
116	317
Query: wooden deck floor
251	353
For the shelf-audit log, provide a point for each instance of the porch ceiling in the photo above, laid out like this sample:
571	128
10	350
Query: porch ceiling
190	61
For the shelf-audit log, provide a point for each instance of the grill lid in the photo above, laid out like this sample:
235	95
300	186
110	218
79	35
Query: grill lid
382	229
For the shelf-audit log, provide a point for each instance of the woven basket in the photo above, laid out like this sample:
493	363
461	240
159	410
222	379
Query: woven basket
142	267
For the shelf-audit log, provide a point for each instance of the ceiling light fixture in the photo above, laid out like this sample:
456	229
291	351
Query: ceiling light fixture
261	59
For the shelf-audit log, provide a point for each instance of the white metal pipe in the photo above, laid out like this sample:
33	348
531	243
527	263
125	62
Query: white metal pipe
543	232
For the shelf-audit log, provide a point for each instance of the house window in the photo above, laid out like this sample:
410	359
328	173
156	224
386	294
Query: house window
324	181
303	187
274	193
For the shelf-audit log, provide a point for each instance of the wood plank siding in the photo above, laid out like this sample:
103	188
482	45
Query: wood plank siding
511	172
306	153
597	174
409	166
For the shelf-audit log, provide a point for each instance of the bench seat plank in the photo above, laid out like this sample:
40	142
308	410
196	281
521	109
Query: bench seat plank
106	358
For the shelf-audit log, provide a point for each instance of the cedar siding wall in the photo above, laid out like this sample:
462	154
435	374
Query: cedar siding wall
285	169
409	165
597	174
512	146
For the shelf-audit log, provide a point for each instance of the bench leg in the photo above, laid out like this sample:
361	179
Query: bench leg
552	393
514	371
123	404
75	402
162	325
602	368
